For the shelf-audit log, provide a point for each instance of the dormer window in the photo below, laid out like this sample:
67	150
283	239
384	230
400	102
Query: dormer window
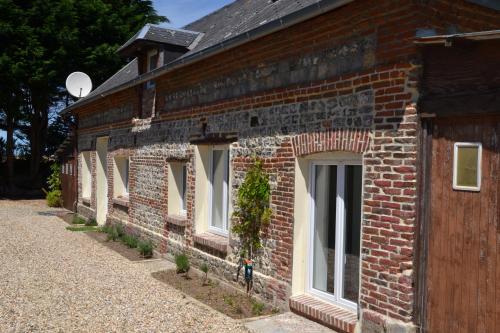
152	64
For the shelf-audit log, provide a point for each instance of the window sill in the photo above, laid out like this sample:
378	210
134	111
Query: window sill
121	201
178	220
325	313
86	201
212	241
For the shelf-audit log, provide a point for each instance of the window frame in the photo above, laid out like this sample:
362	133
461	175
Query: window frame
336	298
224	231
177	182
124	186
456	147
86	174
151	54
183	190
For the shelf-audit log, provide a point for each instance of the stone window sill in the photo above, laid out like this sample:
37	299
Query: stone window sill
121	201
212	241
178	220
86	201
324	313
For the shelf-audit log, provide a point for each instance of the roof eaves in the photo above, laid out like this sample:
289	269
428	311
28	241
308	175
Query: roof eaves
318	8
445	39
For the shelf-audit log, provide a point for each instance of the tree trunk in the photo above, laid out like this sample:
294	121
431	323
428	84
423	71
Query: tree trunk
38	136
9	149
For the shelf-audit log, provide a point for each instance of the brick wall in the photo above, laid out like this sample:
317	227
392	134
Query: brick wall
344	81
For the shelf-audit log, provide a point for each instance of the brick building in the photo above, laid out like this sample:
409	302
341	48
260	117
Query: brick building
326	93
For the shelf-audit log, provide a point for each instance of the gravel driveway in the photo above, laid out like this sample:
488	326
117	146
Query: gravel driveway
54	280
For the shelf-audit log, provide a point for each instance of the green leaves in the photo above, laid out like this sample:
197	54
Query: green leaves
252	211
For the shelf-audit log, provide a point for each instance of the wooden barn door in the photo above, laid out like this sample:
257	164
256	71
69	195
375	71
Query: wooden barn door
463	256
69	183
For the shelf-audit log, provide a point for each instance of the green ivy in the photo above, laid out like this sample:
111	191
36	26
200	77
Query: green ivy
54	180
54	196
252	211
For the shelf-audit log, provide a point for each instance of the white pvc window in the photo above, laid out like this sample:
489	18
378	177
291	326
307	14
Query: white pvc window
121	176
86	175
152	63
336	213
219	190
177	189
467	166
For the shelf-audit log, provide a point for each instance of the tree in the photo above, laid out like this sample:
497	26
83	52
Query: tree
45	40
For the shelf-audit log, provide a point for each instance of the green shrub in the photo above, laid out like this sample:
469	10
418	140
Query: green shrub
54	198
120	230
113	234
130	240
204	269
54	195
146	248
229	300
257	308
91	222
182	263
78	220
105	229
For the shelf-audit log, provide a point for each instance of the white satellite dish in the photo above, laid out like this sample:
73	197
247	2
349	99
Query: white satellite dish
79	84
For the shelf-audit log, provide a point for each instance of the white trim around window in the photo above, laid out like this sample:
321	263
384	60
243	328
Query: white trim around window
218	193
456	148
335	298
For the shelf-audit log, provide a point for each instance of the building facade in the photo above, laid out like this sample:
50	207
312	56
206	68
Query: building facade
326	94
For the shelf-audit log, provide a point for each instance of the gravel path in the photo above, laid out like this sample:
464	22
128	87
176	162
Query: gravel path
54	280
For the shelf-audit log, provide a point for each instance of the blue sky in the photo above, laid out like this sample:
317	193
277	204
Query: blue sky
182	12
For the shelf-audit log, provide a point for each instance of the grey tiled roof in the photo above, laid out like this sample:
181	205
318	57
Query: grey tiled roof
129	72
232	20
242	16
158	34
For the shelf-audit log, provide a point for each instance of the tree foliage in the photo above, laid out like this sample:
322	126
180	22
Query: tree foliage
252	211
54	195
42	41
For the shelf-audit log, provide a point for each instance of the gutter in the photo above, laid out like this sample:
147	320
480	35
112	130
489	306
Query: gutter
447	39
320	7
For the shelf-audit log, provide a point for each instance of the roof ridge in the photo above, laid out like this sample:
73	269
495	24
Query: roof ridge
172	28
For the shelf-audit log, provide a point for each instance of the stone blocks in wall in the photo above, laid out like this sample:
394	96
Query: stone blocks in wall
339	59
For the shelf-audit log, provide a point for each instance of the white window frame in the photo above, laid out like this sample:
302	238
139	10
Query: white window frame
339	233
183	189
86	174
127	177
150	84
225	194
125	185
177	204
458	145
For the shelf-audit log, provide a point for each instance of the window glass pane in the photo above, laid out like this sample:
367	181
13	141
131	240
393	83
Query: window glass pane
467	166
352	201
153	60
126	175
325	197
218	183
184	187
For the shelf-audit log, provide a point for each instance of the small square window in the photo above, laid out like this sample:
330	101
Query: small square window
121	176
467	166
177	189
